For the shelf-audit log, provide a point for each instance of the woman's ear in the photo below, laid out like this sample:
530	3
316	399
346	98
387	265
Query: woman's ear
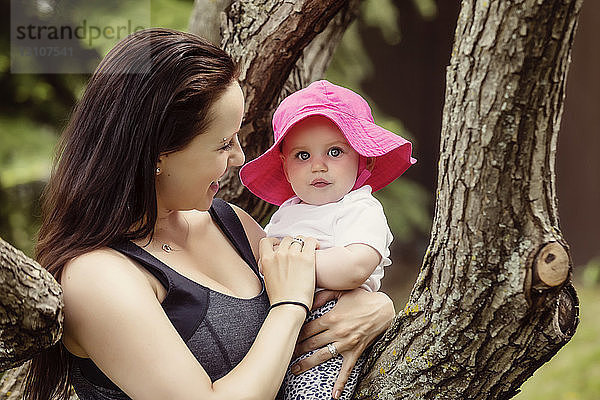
158	167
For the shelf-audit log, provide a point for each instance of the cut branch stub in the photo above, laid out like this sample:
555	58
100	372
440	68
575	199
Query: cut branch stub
567	313
551	266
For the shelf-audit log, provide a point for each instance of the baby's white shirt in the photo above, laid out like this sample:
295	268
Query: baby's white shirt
357	218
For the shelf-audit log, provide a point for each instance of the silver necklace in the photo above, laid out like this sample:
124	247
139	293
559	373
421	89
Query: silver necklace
166	247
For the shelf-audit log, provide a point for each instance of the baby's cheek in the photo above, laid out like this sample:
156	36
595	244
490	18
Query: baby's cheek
292	173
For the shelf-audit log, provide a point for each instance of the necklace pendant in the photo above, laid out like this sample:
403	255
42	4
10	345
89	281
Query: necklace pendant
166	248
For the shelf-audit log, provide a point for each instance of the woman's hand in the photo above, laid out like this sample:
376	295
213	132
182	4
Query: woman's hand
352	325
289	268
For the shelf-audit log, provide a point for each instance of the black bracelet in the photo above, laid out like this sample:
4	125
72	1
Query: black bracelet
290	302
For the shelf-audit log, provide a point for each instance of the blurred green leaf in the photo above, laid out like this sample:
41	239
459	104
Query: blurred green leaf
350	64
174	14
590	276
382	14
4	63
406	206
26	151
427	8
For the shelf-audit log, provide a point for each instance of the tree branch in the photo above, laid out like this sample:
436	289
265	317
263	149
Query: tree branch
30	307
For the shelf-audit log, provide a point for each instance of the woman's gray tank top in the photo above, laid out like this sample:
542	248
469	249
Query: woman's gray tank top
218	329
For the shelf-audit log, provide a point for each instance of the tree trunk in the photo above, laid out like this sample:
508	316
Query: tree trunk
30	307
12	382
493	300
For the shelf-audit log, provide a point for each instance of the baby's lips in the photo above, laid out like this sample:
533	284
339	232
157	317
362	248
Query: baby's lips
319	180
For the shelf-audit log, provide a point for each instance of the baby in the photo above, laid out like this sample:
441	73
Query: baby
328	156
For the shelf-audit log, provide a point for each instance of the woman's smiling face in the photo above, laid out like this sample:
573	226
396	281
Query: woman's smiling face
189	178
318	162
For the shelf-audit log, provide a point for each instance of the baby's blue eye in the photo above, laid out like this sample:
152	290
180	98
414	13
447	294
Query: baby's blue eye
303	155
335	152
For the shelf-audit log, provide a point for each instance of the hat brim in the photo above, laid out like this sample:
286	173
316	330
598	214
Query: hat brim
265	178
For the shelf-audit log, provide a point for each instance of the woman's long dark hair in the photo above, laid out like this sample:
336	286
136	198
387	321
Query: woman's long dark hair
150	95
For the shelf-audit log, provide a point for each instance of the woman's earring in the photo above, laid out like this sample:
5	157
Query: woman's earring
157	170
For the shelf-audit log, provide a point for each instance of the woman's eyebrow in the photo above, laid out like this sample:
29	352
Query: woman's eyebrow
225	139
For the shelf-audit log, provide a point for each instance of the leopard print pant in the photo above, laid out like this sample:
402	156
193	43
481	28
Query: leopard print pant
317	383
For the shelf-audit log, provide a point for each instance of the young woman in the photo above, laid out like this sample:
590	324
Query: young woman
160	280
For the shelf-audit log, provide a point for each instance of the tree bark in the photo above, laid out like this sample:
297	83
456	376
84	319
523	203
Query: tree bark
11	386
30	307
206	18
480	320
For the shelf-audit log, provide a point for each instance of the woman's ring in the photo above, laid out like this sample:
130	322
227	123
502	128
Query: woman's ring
297	240
333	350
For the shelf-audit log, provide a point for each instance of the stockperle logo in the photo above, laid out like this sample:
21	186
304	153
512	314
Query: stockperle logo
66	36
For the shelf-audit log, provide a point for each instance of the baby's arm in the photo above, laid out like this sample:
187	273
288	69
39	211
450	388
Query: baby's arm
346	268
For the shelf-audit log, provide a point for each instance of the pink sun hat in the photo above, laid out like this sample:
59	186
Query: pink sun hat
264	175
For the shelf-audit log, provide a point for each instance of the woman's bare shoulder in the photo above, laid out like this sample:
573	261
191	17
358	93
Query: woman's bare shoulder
253	230
100	268
102	280
104	263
